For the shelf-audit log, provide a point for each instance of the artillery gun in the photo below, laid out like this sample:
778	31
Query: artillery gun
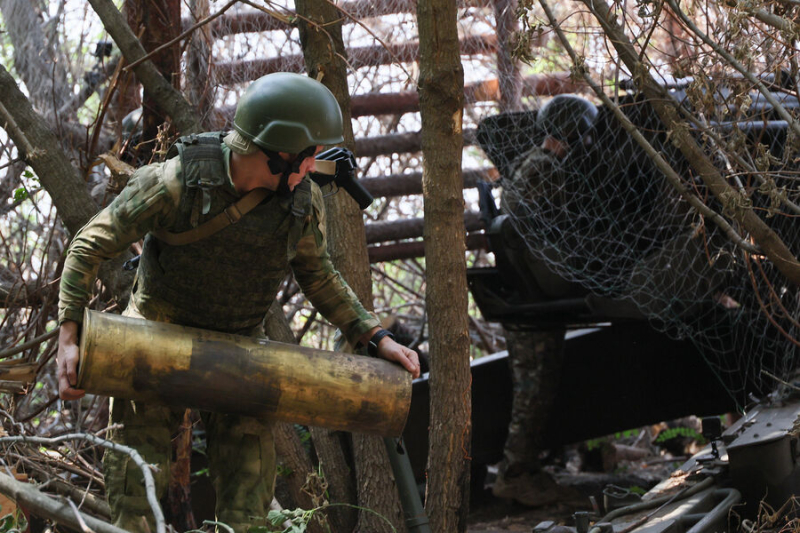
634	358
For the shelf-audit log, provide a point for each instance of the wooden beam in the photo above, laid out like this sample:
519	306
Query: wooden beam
399	143
405	184
484	91
372	104
407	250
411	228
258	21
243	71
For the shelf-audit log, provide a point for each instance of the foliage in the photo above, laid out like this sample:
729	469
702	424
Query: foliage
678	432
13	523
299	519
594	444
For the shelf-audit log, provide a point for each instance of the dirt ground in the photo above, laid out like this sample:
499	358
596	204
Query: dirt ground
492	515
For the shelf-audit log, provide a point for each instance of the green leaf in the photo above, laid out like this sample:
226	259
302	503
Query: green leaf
27	173
20	194
276	518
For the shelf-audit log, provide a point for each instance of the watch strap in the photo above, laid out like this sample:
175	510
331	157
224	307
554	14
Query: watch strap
372	346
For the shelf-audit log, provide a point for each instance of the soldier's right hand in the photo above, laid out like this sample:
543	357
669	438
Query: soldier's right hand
67	362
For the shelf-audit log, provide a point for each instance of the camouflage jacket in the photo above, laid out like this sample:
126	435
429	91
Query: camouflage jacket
152	201
536	178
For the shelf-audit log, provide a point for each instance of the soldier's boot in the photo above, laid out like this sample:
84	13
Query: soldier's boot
530	487
242	465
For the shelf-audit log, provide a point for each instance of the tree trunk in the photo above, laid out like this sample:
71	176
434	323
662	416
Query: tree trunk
299	475
39	146
441	102
170	100
323	52
199	65
34	57
335	469
505	15
43	72
158	24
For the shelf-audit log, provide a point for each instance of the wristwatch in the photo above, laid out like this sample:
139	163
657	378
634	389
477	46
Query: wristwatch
372	346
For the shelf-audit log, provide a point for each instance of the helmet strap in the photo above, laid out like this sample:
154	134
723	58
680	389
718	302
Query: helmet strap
284	169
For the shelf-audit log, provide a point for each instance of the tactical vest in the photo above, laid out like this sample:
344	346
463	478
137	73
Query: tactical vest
226	281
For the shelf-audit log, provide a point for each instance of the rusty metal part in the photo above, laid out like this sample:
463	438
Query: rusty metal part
764	454
157	362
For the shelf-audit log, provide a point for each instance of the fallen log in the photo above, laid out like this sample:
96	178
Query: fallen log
411	228
408	250
244	71
405	184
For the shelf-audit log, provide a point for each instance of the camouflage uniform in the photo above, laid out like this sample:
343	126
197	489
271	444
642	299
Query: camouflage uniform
534	356
225	282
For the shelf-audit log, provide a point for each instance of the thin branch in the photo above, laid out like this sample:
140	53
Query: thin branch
781	381
30	344
785	115
149	483
10	125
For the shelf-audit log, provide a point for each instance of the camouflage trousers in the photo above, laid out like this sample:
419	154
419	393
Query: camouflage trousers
241	458
535	359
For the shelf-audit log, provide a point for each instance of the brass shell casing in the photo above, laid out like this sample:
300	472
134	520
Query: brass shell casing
175	365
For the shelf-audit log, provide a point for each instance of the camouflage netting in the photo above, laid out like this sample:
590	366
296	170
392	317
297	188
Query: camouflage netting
607	220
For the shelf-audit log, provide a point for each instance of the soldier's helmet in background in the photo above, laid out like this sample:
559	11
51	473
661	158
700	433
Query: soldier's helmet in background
567	117
285	112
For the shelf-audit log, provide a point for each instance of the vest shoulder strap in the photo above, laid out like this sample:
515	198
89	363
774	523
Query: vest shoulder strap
230	215
201	157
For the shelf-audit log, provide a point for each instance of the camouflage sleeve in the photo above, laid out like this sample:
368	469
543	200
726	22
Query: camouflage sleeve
321	282
148	202
529	178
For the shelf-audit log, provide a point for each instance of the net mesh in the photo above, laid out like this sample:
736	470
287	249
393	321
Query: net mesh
605	218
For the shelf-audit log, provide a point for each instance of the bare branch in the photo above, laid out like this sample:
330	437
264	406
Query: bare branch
149	483
50	508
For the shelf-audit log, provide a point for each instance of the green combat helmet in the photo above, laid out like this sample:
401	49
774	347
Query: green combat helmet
567	117
285	112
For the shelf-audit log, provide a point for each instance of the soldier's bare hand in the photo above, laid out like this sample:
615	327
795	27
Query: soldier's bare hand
67	361
392	351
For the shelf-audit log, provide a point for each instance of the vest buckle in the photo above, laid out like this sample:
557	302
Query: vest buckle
233	214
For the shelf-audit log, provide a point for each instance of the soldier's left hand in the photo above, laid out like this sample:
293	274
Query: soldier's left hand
392	351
